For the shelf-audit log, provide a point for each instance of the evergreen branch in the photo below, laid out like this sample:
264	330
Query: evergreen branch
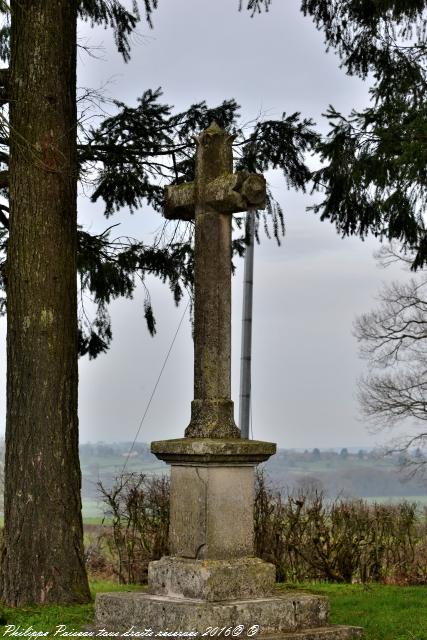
125	151
255	6
3	218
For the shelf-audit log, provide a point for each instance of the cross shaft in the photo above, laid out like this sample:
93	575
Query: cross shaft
216	193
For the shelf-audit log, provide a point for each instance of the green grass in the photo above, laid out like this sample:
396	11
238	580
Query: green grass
46	618
385	612
92	508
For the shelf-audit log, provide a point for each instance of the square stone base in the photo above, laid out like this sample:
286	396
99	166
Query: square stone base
212	495
288	615
212	580
207	520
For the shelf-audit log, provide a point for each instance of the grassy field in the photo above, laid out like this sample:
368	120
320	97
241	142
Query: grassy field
386	612
48	617
93	510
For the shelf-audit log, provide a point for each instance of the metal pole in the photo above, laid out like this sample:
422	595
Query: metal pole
246	349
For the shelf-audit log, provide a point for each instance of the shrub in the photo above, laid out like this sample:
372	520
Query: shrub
138	507
310	538
307	537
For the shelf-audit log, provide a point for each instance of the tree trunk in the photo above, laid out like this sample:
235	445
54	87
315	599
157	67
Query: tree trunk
43	539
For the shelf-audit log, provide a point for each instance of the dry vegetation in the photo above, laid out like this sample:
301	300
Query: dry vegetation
307	537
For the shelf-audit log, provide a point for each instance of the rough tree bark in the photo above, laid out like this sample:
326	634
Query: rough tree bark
43	539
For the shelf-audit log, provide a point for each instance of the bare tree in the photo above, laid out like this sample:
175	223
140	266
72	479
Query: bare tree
393	339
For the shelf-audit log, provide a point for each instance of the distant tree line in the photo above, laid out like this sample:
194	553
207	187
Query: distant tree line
307	537
363	474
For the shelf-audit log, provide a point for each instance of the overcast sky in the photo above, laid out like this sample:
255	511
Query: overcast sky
307	292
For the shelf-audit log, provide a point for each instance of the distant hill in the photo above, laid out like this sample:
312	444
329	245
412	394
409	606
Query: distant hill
364	474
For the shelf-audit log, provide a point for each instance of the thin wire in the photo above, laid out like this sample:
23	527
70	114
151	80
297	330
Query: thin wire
155	386
252	426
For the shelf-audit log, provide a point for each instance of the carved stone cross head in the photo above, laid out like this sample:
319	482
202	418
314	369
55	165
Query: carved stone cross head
210	200
226	193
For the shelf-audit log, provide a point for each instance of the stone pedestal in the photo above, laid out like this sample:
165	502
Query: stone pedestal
212	579
212	495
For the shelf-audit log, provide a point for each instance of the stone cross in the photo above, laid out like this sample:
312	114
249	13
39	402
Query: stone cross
210	200
211	580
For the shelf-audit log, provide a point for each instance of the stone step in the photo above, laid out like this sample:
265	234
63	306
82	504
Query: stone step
280	613
334	632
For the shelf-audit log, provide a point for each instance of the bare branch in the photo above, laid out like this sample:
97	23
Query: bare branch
4	220
393	339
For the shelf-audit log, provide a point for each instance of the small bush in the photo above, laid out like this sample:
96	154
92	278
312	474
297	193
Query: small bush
310	538
138	507
307	537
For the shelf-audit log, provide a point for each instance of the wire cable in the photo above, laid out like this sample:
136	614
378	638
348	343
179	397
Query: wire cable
155	386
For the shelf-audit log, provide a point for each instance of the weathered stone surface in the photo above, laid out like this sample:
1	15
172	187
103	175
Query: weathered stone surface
216	193
207	520
212	418
212	293
333	632
179	201
281	613
213	451
236	192
212	580
229	193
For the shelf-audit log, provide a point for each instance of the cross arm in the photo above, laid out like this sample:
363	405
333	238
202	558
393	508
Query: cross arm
179	201
231	193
